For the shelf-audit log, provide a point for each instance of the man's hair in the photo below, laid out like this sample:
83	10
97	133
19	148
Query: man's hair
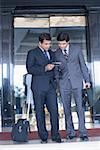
63	36
44	36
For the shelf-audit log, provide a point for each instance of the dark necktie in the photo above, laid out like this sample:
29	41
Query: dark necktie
66	53
45	53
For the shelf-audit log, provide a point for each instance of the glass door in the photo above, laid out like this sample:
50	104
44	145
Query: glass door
26	31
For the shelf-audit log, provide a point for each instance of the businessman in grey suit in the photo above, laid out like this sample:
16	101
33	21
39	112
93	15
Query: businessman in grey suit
70	74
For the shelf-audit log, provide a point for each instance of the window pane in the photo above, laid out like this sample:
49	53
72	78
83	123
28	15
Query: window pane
69	21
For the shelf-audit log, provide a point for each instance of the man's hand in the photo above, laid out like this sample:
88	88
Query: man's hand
49	67
87	85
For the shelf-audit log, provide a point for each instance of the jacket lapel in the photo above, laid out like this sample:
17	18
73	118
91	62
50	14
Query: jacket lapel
70	53
61	55
43	56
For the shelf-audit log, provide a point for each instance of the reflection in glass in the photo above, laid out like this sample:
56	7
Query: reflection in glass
97	72
0	76
22	22
5	71
66	21
0	93
97	79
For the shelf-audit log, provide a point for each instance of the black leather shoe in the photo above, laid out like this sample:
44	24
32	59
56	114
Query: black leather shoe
44	141
84	138
57	139
70	137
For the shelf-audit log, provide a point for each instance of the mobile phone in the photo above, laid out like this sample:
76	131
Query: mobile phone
56	63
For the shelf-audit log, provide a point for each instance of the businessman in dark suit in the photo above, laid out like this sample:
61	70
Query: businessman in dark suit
39	64
70	75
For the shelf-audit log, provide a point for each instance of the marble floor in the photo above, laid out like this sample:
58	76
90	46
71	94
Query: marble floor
92	144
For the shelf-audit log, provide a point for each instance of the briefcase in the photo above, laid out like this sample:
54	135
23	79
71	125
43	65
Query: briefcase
20	131
88	96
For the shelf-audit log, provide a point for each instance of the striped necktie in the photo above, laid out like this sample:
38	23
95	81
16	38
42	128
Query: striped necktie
66	53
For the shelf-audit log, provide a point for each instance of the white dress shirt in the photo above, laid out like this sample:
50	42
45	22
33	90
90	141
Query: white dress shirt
46	52
67	50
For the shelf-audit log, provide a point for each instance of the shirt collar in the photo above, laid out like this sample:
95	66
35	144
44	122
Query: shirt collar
44	51
41	48
67	49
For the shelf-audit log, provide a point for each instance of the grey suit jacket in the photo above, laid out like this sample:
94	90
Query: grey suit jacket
73	68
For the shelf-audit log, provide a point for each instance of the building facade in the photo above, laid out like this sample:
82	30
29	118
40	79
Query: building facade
20	24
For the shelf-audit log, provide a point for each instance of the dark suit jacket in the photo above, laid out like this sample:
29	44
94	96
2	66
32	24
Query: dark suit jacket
74	67
35	64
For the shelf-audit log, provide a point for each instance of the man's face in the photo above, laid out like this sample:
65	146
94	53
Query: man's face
63	44
45	44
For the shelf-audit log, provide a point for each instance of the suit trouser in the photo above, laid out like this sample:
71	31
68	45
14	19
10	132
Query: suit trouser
66	99
49	98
